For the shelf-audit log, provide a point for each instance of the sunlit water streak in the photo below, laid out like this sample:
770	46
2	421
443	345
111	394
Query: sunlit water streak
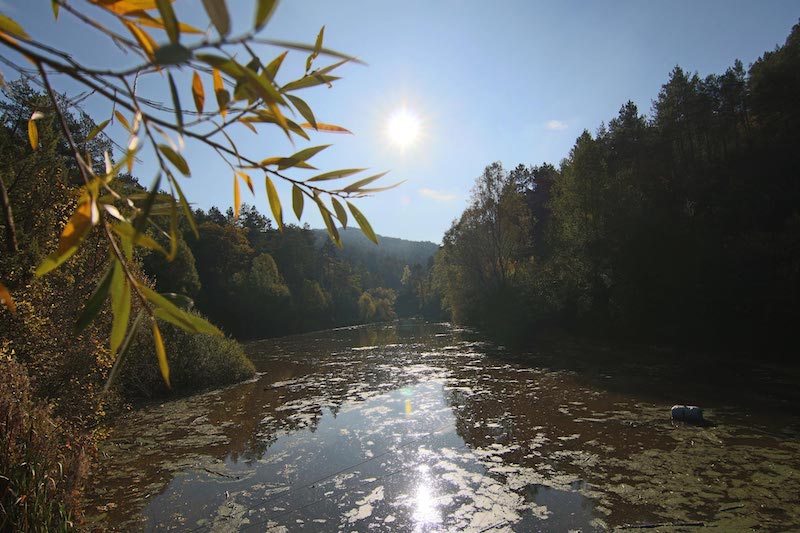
425	428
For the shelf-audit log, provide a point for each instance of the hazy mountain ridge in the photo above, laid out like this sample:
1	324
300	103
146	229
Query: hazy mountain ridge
355	244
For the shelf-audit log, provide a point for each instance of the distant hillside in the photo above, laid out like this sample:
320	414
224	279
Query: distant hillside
384	262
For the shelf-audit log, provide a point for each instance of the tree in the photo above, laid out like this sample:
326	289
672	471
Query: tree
248	94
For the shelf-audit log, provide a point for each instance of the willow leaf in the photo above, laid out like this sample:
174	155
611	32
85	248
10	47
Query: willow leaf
264	9
274	203
218	13
163	365
336	174
341	213
95	301
363	223
120	307
198	93
297	201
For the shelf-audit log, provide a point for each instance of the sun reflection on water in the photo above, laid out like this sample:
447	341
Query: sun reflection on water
426	508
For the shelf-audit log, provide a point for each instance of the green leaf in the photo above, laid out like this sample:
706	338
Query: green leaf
172	54
262	87
120	307
272	69
336	174
176	102
163	365
310	80
326	217
168	311
264	9
175	158
308	153
173	230
122	351
363	223
218	13
223	64
308	48
317	49
180	300
141	220
97	129
341	213
274	203
126	231
297	201
380	189
10	26
366	181
303	109
187	209
95	301
56	7
170	22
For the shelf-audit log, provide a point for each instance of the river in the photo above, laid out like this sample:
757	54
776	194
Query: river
427	427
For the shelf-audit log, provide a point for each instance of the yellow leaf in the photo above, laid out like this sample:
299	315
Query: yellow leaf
247	180
76	229
122	120
326	127
10	26
33	134
155	22
143	38
237	198
197	92
123	7
163	365
6	298
223	97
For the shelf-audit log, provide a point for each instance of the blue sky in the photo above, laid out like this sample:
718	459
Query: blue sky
505	81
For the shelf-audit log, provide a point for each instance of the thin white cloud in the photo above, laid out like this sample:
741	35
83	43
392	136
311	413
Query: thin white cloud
556	125
439	196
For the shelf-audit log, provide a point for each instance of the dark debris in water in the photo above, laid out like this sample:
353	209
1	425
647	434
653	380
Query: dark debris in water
426	426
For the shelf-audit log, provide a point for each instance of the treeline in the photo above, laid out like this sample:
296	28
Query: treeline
255	281
678	227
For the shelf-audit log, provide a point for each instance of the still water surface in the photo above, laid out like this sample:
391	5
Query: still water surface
426	427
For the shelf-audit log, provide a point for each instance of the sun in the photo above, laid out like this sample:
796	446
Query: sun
403	128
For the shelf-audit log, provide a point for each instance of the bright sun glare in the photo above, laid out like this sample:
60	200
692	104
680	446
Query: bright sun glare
403	128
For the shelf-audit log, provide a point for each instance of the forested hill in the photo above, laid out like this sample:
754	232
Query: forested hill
681	226
383	263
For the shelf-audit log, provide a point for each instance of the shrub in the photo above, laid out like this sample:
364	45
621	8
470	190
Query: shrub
196	362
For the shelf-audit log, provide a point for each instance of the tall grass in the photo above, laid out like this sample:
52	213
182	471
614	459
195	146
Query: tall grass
42	459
